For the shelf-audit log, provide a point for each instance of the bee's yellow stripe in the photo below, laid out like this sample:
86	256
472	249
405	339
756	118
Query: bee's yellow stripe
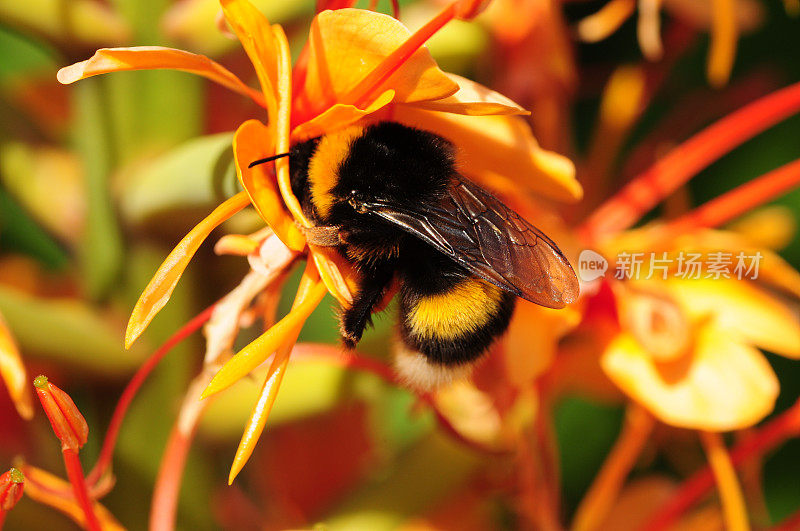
460	311
323	170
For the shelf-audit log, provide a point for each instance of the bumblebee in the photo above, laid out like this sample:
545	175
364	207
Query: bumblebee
401	211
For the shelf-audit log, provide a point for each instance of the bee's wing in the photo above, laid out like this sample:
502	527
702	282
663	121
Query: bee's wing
491	241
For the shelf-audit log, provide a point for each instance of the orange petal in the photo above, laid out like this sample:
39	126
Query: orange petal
473	99
724	385
158	291
258	40
337	274
532	340
13	373
743	310
347	45
108	60
724	33
338	116
262	348
252	141
50	490
283	126
501	145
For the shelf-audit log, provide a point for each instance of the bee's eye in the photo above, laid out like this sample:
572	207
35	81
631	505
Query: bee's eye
353	201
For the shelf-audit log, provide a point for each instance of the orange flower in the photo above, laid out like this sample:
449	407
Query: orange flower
723	18
358	65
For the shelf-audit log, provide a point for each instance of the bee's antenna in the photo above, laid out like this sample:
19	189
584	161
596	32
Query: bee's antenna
268	159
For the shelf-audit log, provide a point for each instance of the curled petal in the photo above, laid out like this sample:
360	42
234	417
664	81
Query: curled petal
260	349
338	116
346	48
108	60
13	373
723	385
253	141
160	288
742	310
473	99
501	145
47	489
258	40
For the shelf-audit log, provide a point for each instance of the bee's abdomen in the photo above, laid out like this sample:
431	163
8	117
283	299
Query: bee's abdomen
456	325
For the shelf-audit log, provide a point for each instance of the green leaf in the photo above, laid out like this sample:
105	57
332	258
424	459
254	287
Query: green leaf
101	249
68	331
19	233
196	174
22	56
580	461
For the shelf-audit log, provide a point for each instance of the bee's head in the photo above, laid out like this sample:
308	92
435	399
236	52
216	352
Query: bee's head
391	164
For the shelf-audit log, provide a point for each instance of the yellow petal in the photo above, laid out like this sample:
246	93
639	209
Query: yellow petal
724	385
258	40
347	45
158	291
337	117
743	310
49	490
272	382
260	414
472	413
13	373
473	99
606	21
772	227
501	145
108	60
262	348
254	141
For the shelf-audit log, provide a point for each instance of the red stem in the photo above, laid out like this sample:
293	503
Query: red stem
766	438
686	160
740	200
110	441
75	475
170	472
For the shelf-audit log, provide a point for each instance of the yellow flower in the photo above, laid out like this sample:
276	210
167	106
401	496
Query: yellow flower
13	373
357	65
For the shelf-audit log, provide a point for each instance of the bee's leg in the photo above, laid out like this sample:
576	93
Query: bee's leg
356	318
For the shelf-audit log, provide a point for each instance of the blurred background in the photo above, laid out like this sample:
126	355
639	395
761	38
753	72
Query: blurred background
99	180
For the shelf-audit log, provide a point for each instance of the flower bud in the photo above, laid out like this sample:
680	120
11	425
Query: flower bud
12	484
68	423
